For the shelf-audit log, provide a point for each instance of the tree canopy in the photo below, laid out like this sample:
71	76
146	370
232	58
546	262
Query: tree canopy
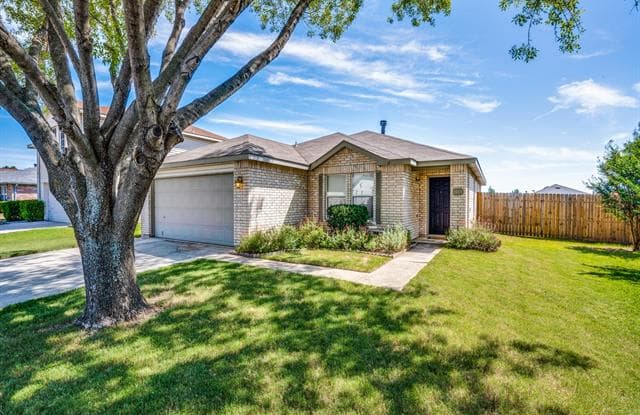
618	182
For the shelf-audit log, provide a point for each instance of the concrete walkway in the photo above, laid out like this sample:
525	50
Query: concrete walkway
395	274
27	226
39	275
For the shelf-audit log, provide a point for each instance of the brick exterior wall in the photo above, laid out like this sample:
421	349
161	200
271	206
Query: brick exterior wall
272	196
396	201
22	192
345	161
459	213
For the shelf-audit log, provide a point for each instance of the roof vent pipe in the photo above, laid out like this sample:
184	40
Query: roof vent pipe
383	126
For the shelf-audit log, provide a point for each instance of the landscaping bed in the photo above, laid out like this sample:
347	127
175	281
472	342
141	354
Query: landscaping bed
537	327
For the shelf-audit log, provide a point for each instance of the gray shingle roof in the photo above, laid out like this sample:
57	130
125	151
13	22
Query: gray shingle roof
305	154
244	145
15	176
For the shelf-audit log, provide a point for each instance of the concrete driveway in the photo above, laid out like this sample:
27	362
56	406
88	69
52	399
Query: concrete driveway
33	276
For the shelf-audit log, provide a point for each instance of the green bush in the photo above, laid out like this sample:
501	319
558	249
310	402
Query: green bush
31	210
10	210
348	239
312	235
477	238
286	238
344	216
392	240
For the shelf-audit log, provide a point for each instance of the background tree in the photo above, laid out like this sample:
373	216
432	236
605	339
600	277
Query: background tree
102	178
491	190
618	182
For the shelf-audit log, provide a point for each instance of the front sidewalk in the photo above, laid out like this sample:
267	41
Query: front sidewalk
40	275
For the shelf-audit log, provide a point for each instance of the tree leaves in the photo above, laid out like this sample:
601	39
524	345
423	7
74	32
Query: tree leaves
564	16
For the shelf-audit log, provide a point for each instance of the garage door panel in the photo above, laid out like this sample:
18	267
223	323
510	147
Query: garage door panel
195	208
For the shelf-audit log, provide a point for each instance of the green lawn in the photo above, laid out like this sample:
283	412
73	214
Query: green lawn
39	240
538	327
356	261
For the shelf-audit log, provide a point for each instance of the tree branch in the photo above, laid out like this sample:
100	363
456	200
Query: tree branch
87	75
192	112
55	20
139	55
122	85
180	7
33	123
32	72
213	33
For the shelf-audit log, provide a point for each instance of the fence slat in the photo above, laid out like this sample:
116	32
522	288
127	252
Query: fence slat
576	217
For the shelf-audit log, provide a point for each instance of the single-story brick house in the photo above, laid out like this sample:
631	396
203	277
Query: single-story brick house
18	184
221	192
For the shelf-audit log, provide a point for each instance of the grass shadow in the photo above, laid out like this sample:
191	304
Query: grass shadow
608	252
238	339
615	273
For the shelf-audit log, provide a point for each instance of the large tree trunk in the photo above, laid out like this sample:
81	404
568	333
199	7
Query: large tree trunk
112	295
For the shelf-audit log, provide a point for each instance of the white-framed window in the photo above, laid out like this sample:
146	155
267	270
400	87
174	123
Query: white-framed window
336	190
3	192
362	190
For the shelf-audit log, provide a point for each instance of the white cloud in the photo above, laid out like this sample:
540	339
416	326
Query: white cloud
636	87
280	78
329	56
379	98
435	53
291	127
595	54
587	97
412	95
477	105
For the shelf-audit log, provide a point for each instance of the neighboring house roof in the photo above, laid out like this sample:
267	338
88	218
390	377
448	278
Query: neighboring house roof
191	130
309	154
16	176
559	189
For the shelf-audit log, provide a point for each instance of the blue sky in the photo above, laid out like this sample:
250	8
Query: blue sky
452	85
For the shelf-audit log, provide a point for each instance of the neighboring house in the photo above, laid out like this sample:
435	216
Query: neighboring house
18	184
194	137
558	189
221	192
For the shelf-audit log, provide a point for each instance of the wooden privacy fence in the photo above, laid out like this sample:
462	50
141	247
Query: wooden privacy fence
576	217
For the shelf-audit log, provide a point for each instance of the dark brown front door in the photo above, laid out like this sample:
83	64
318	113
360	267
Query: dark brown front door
438	205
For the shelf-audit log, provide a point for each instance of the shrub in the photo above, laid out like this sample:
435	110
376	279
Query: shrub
312	235
285	238
477	238
348	239
343	216
31	210
10	210
392	240
255	243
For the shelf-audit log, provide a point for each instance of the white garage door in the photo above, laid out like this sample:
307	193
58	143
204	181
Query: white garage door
195	208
